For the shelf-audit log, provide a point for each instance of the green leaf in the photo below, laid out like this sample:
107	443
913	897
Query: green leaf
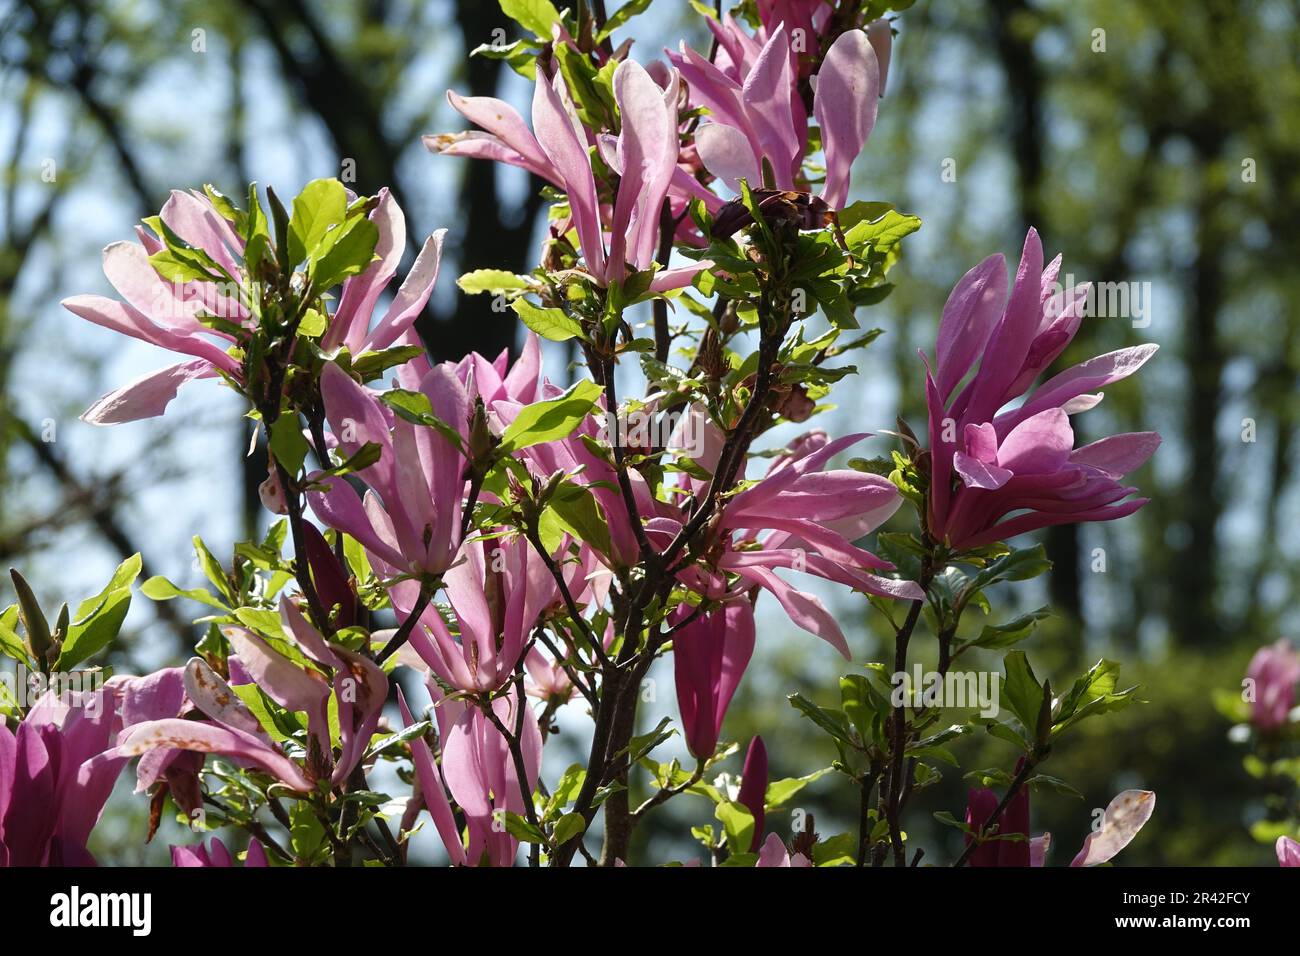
1021	690
363	458
568	827
834	722
227	209
276	721
288	443
1094	693
536	16
948	820
641	745
370	365
839	850
521	829
552	324
990	777
738	823
96	630
573	509
1008	634
592	89
123	577
1019	565
321	204
344	251
416	408
781	792
1042	781
494	281
158	588
306	834
552	420
569	785
864	704
622	15
11	645
883	233
383	744
1008	733
177	266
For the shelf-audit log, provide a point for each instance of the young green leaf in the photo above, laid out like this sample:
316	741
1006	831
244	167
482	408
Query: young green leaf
550	420
550	324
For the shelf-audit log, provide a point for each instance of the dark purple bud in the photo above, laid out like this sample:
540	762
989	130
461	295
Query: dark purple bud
753	787
330	577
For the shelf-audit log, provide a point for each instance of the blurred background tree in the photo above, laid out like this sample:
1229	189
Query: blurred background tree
1156	145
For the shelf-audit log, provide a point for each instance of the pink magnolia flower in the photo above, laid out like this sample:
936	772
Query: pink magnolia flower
996	474
410	518
217	856
546	678
359	688
709	658
644	155
497	592
757	113
1124	816
502	381
775	854
804	518
55	777
158	696
478	772
350	325
1274	670
164	313
1288	851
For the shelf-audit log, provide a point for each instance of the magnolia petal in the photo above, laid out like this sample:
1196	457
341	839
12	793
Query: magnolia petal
806	610
214	697
848	90
1086	377
148	396
411	296
679	277
283	681
1124	817
766	95
1039	445
977	474
202	737
1288	852
431	789
553	127
773	853
647	147
726	153
1119	454
969	316
1038	849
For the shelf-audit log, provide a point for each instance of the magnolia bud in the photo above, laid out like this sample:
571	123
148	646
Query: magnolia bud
481	440
330	577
